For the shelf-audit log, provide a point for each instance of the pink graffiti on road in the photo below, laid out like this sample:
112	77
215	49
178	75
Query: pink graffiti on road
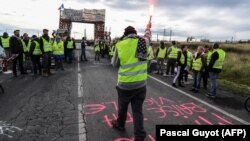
160	108
150	138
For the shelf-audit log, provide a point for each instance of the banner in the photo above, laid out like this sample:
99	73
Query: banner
86	15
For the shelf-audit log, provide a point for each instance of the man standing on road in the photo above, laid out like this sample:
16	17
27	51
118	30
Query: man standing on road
69	45
16	49
172	54
131	57
161	55
83	49
215	66
46	47
5	43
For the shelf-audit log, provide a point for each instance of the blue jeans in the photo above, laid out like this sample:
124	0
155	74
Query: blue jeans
213	78
197	80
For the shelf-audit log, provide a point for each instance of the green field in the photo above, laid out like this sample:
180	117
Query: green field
236	73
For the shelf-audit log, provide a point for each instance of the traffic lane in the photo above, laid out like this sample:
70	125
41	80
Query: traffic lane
43	108
229	102
163	105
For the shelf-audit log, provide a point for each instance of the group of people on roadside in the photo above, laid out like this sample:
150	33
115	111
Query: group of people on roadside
40	50
206	62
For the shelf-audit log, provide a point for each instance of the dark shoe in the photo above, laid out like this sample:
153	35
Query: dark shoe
210	96
23	73
192	90
205	88
116	126
196	91
181	85
174	85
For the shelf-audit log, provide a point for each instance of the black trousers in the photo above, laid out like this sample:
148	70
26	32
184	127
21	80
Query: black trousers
19	58
136	97
47	62
36	63
205	76
83	53
171	65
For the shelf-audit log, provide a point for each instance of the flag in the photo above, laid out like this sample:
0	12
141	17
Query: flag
61	7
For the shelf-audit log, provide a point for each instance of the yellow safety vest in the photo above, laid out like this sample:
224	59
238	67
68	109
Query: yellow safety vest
182	59
150	53
5	42
162	52
111	51
37	49
189	57
47	45
197	64
131	69
174	53
97	48
58	48
70	44
26	48
220	61
209	55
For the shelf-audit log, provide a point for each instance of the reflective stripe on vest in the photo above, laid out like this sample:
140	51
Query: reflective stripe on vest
197	64
47	45
70	44
58	48
131	69
174	53
37	49
26	48
162	52
209	55
150	53
5	42
220	61
189	57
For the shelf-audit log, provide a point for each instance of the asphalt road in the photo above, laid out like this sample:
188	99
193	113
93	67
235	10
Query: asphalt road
79	103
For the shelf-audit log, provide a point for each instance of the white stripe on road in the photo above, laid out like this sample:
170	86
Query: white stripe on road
81	127
202	101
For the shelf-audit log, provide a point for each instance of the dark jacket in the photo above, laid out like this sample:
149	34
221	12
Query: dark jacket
83	45
66	43
33	45
179	59
47	38
16	45
214	57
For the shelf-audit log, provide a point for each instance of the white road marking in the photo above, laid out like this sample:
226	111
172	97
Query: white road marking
82	125
202	101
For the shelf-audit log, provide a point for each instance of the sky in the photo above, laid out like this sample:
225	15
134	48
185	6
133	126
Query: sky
210	19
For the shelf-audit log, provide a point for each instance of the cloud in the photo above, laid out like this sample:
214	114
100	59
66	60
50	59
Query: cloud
129	21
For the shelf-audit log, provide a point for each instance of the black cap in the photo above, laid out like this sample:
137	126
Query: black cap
129	30
45	30
34	36
173	42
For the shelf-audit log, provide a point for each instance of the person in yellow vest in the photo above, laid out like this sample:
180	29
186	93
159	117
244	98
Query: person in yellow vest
5	44
188	67
161	55
58	52
46	46
97	48
26	42
112	49
131	58
150	56
198	64
181	65
172	53
35	52
205	74
69	46
216	63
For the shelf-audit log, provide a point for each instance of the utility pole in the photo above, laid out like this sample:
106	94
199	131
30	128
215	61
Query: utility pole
157	38
164	33
170	34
